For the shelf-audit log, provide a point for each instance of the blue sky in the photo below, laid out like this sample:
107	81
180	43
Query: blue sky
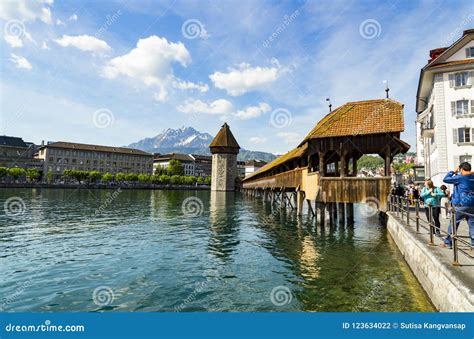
114	72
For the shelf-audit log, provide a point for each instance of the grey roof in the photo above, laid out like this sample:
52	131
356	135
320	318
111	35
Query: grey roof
12	141
96	148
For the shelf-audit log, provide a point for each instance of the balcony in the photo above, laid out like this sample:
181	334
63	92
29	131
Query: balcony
427	130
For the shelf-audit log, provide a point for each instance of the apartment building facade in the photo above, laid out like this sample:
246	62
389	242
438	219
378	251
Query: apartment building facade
445	108
14	152
61	156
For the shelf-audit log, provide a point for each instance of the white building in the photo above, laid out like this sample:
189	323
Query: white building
252	166
445	107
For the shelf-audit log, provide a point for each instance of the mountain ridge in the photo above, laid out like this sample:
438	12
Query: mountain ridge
189	141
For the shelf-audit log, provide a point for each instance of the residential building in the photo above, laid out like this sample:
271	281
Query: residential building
202	165
251	166
241	169
163	160
14	152
60	156
445	107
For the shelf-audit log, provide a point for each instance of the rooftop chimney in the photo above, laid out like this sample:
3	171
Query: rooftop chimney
434	53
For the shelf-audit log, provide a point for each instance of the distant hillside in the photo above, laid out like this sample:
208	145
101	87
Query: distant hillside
188	140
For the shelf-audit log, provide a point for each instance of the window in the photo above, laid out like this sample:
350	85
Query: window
460	79
463	135
470	52
465	158
460	107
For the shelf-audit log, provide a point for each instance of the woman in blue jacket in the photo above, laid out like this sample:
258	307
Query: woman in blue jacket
462	198
431	196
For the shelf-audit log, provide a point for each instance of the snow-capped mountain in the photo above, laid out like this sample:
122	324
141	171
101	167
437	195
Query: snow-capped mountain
188	140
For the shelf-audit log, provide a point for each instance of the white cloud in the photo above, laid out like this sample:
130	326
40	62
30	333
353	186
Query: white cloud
60	23
217	107
245	78
73	17
290	137
44	45
150	62
13	40
20	62
26	10
257	140
253	111
85	43
181	84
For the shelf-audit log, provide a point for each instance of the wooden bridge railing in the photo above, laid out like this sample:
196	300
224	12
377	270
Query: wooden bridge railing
289	179
356	190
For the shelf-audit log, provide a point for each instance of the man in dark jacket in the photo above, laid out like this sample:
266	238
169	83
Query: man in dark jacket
462	198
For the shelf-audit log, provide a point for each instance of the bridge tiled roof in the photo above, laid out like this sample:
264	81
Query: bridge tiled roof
360	118
293	154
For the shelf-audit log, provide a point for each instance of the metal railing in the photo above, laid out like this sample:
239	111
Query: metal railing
408	210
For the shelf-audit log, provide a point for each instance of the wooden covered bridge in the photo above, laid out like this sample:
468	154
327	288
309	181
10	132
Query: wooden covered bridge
323	168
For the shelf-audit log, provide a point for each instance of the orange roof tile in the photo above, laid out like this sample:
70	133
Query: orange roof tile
360	118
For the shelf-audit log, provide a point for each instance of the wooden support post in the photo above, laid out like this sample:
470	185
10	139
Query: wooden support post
331	209
342	213
299	202
322	213
310	208
322	165
283	199
350	214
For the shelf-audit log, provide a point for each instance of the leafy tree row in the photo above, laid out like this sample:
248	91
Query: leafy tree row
16	173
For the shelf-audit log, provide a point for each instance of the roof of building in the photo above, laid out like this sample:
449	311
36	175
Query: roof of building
174	156
293	154
96	148
255	163
200	157
225	138
12	141
360	118
452	63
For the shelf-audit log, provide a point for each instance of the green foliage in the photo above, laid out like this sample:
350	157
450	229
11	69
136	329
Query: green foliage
50	176
3	171
403	167
175	179
144	178
94	176
207	181
32	174
175	168
165	179
131	177
370	162
120	177
159	170
200	180
107	177
16	172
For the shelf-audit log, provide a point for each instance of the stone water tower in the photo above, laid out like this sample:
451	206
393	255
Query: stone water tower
224	149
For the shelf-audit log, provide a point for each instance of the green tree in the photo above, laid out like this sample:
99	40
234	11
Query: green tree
165	179
32	174
131	177
190	180
143	178
370	162
94	176
3	171
16	172
50	176
207	180
175	168
159	170
175	179
200	180
120	177
107	177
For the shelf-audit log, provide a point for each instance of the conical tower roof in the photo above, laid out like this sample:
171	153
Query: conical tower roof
224	142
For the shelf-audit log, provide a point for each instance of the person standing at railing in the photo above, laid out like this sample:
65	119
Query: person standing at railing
445	201
431	197
462	198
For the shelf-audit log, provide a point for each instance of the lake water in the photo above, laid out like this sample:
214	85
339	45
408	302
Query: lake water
143	250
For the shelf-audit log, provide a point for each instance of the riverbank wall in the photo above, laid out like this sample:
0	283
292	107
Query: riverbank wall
112	187
449	287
